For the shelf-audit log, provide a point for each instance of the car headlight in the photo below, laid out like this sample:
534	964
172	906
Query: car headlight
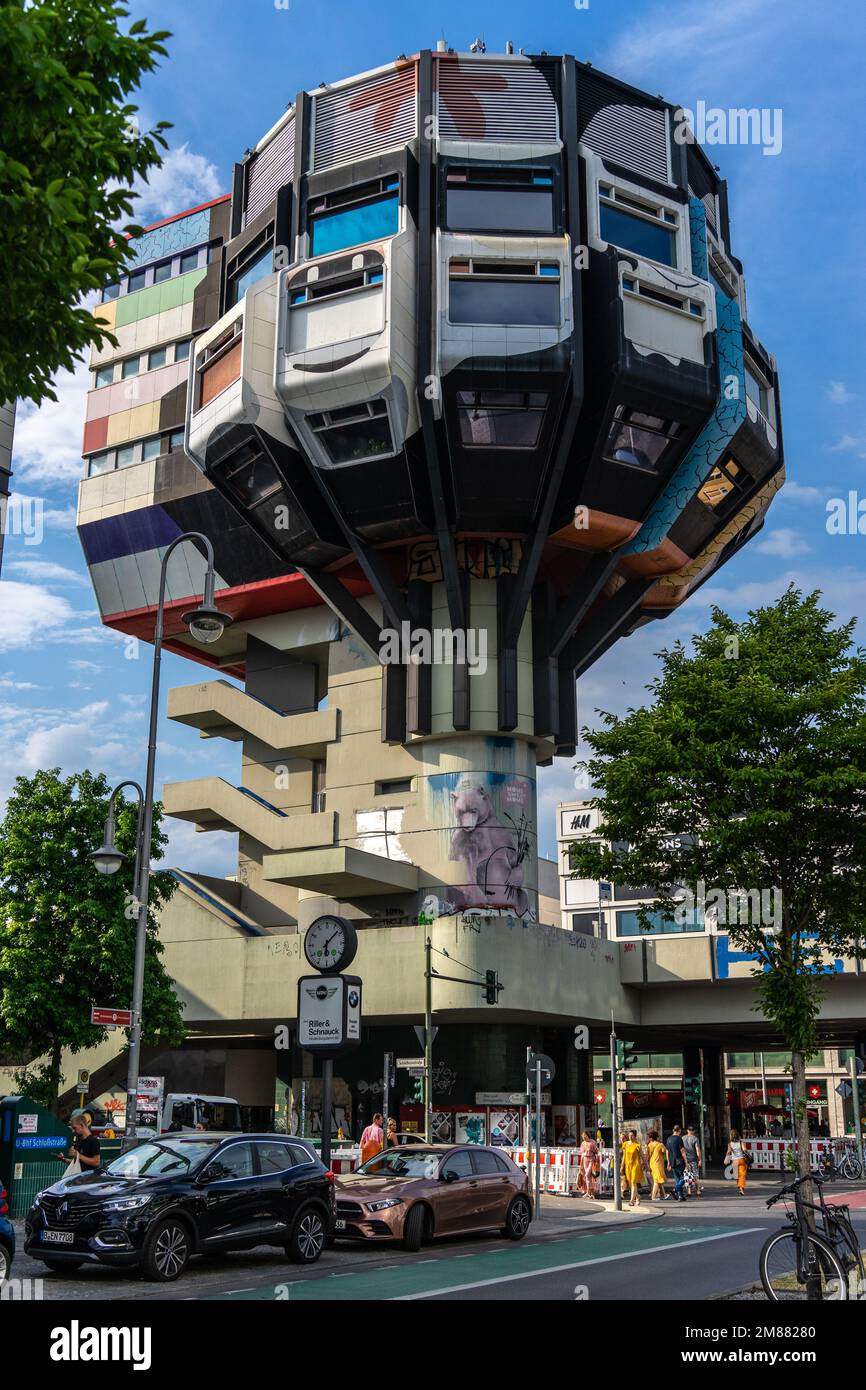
126	1204
386	1202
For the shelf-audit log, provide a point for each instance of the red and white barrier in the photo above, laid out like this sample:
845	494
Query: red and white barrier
770	1153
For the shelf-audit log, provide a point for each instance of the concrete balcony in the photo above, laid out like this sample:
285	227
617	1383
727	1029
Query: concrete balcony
220	710
341	872
211	803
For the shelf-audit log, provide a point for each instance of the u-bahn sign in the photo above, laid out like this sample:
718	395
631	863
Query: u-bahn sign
329	1013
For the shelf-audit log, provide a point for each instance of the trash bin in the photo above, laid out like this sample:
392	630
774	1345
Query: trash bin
30	1137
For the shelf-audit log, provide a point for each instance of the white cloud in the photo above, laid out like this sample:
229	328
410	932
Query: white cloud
31	614
183	181
705	43
45	571
47	443
838	393
784	542
79	665
850	444
215	853
797	492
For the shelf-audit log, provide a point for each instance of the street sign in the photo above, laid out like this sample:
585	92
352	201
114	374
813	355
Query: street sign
83	1081
329	1013
410	1063
111	1018
844	1089
605	892
600	1097
419	1034
581	1037
548	1070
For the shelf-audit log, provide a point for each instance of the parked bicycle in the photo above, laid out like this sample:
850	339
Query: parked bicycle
825	1262
830	1165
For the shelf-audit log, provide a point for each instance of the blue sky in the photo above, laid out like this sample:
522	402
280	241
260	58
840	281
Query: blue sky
68	693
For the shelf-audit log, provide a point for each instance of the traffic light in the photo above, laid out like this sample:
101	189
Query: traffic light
626	1056
692	1090
491	992
418	1090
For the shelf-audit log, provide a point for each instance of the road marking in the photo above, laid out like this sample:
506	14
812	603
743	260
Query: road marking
573	1264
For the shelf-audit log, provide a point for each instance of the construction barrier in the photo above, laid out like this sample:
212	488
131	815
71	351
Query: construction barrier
770	1153
560	1170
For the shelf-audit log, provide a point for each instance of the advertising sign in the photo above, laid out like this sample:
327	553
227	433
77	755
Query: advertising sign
470	1127
148	1106
329	1013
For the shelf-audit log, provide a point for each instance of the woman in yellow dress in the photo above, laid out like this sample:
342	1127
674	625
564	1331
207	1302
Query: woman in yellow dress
658	1157
632	1167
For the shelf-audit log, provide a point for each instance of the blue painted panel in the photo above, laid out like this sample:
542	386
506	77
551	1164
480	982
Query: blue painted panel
173	237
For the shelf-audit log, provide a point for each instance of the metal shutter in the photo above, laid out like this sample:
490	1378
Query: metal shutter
357	121
623	131
511	102
269	170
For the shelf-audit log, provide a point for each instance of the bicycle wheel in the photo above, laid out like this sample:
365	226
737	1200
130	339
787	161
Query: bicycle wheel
779	1267
850	1167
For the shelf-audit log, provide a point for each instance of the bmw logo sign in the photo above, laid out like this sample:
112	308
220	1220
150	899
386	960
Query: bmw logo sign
353	998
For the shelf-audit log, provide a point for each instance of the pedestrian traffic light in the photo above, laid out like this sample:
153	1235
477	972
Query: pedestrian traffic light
626	1056
692	1089
491	990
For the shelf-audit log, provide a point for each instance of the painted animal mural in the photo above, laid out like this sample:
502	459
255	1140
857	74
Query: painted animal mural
492	852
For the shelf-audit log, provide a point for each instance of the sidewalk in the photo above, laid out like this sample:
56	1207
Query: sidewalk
561	1214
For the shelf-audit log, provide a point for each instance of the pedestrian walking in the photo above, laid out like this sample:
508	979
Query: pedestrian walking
658	1164
588	1172
676	1155
692	1148
391	1140
373	1138
736	1154
632	1167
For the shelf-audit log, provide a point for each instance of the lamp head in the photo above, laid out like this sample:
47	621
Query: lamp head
206	624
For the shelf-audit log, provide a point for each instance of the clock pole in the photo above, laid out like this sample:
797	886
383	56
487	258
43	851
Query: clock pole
428	1043
327	1086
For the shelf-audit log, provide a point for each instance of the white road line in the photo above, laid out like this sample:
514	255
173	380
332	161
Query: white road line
574	1264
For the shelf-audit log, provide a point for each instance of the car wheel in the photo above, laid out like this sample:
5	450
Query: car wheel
166	1251
5	1263
62	1266
307	1240
518	1219
413	1229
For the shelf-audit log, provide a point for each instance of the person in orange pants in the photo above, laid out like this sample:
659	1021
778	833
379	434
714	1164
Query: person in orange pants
736	1153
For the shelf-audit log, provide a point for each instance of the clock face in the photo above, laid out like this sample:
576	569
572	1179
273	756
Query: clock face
329	943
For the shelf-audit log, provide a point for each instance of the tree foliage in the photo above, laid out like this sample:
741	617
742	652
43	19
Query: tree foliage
70	152
748	774
65	941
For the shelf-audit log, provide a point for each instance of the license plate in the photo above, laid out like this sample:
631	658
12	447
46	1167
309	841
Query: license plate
58	1237
339	1225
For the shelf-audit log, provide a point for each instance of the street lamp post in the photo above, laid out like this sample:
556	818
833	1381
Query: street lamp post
206	624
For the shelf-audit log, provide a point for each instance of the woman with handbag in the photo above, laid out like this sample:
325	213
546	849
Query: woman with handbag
84	1152
736	1153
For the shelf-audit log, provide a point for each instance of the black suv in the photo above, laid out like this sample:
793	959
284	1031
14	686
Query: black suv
182	1195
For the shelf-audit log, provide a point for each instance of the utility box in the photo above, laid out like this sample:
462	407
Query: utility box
30	1139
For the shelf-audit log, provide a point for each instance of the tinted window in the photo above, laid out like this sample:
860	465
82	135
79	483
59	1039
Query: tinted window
500	209
158	1159
256	270
136	281
486	1162
500	419
181	350
152	447
105	376
234	1162
502	301
110	292
460	1164
157	358
131	367
274	1158
162	272
636	234
300	1155
331	231
188	261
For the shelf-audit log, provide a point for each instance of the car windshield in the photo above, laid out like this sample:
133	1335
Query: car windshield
410	1163
161	1160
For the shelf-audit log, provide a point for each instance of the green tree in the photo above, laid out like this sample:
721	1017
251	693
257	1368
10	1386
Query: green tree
748	774
70	151
65	941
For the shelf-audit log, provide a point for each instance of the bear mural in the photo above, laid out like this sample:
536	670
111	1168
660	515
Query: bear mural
494	852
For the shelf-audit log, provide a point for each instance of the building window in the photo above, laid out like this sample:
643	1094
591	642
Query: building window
249	273
500	419
639	440
318	797
136	281
725	487
161	272
395	787
250	476
500	199
335	284
110	292
131	367
188	261
354	433
125	456
104	376
100	463
586	923
219	365
175	439
648	229
757	388
353	216
628	924
181	350
151	448
513	292
681	303
157	358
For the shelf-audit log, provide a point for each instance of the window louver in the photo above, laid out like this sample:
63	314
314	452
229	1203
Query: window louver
624	132
269	170
354	122
508	102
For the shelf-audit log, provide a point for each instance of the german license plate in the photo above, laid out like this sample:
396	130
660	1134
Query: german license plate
339	1225
58	1237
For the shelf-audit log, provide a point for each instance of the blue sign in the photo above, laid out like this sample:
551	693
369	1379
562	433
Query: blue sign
40	1141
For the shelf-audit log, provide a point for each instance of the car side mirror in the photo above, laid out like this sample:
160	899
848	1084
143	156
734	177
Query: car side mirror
449	1175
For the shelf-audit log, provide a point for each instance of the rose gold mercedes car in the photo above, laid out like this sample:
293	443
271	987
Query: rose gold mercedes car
420	1192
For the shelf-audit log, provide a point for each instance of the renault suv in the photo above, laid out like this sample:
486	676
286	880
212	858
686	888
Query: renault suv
168	1199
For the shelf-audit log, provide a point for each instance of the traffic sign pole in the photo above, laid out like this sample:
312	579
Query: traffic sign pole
537	1138
614	1121
855	1097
